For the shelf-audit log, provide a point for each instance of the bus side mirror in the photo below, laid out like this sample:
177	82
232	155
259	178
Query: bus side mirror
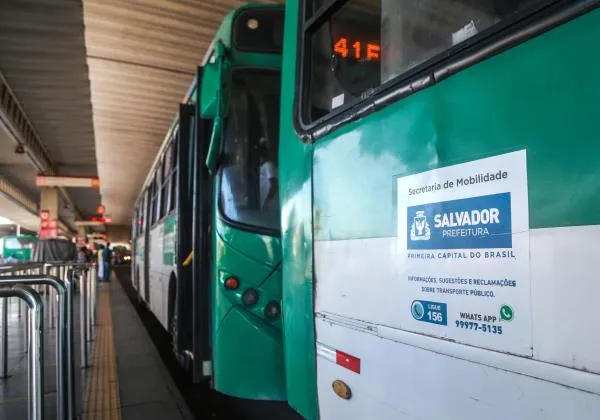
214	149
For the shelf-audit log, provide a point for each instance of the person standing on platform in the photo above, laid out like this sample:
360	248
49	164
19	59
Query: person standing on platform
106	258
100	263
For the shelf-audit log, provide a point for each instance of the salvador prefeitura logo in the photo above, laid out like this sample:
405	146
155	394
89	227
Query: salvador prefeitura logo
466	223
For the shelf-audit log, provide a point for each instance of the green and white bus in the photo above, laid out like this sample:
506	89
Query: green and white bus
433	254
206	225
439	177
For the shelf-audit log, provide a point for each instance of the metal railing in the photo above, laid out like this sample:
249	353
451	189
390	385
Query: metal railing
56	282
35	406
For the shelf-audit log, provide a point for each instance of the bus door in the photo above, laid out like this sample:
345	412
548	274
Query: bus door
193	232
201	241
180	299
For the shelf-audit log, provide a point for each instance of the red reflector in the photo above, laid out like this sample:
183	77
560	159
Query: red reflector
232	283
349	362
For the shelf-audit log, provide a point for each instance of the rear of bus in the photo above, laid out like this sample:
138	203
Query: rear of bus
441	172
239	98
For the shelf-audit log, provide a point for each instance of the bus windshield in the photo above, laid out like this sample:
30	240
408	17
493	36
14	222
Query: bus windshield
366	43
249	188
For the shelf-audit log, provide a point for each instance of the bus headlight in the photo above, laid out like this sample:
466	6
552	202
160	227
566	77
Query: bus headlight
272	310
250	297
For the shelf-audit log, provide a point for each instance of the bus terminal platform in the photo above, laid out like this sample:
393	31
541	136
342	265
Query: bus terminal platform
125	379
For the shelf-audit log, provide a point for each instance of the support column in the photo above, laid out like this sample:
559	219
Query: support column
81	236
49	200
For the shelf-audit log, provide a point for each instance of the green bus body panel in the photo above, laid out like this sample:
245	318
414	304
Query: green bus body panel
540	96
295	164
250	358
20	254
168	239
210	79
263	248
533	96
247	348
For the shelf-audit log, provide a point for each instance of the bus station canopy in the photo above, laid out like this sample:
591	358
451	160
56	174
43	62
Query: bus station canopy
99	83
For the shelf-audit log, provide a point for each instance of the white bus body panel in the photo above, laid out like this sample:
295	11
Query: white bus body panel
159	277
138	267
405	375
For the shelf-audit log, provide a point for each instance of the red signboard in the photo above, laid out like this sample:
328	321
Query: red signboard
67	181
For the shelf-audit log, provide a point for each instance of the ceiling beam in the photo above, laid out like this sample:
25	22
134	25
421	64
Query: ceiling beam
16	122
18	125
16	196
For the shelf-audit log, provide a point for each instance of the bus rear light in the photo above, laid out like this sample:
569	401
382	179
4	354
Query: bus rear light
272	310
232	283
250	297
349	362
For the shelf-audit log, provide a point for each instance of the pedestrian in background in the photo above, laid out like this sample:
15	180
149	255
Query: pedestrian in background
106	258
100	263
82	255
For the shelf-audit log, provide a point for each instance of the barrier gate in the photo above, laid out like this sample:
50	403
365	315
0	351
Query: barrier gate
48	291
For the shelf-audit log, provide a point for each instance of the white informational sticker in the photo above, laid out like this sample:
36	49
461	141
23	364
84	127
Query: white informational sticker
337	101
463	240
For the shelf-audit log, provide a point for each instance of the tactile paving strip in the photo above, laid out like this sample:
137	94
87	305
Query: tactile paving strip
102	400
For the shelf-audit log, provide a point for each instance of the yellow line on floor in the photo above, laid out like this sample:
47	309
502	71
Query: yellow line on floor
102	392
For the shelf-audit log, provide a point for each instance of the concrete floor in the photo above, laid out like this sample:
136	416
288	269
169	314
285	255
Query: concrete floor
146	388
13	390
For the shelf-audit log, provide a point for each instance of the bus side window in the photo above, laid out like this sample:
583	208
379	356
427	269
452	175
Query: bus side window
167	168
157	192
357	47
174	166
154	200
144	211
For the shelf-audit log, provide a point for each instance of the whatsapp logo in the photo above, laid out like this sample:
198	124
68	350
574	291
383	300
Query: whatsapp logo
506	313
